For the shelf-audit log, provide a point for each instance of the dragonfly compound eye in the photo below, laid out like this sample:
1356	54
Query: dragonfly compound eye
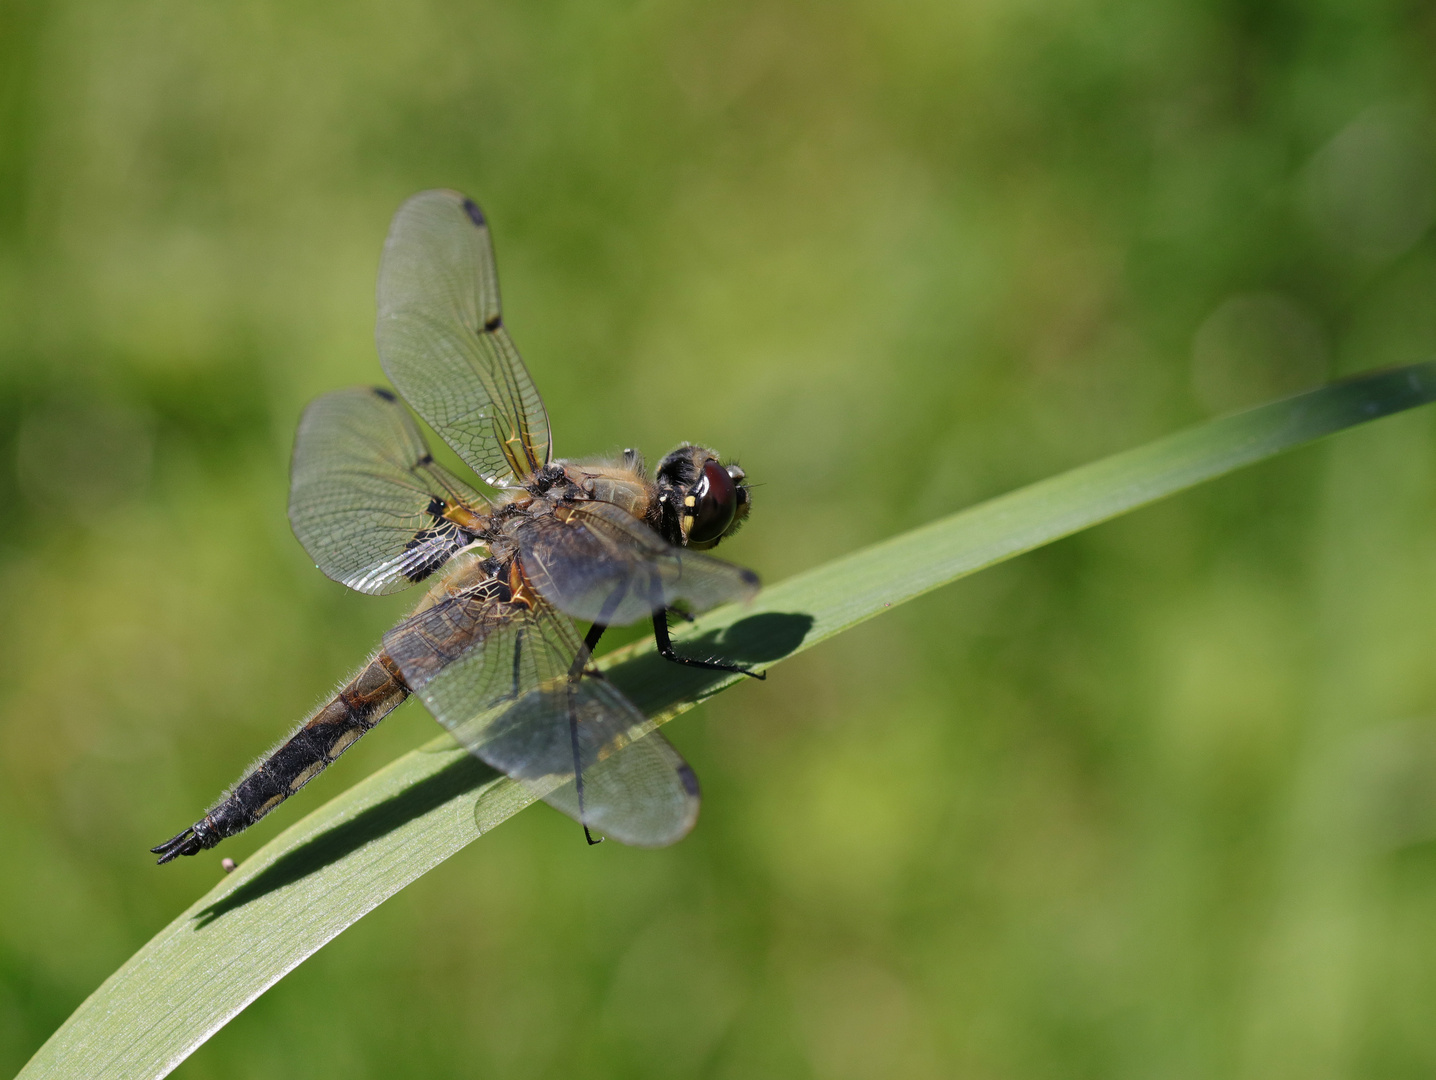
709	509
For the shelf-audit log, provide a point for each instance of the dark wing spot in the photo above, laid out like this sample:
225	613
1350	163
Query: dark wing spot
494	323
689	779
475	214
431	549
426	558
427	459
387	395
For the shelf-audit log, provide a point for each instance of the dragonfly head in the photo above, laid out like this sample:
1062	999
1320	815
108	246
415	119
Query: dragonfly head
701	500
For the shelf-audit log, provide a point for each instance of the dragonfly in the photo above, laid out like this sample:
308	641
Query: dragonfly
492	650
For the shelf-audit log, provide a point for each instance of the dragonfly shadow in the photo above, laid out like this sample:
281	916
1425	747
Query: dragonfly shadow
763	639
464	775
656	685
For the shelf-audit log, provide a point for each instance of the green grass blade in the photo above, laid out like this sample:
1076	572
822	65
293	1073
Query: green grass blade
345	858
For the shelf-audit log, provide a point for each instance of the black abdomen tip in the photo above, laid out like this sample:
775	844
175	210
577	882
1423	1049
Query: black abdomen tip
184	843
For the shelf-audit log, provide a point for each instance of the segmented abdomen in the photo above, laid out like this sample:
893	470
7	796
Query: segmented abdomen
363	702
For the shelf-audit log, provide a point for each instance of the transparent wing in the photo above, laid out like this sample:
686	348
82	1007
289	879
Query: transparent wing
595	561
636	788
443	344
366	500
496	674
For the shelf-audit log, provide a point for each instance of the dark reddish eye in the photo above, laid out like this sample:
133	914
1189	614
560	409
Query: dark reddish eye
716	500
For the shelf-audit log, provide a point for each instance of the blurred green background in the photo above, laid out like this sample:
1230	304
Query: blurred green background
1157	801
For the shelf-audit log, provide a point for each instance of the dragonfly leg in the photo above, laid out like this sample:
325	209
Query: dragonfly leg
576	670
665	650
576	673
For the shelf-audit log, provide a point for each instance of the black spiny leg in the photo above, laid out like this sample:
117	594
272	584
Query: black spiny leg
590	642
665	650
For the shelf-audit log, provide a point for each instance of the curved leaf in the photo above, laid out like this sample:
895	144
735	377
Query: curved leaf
347	857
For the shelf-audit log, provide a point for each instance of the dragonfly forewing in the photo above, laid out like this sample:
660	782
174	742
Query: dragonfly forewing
595	561
443	344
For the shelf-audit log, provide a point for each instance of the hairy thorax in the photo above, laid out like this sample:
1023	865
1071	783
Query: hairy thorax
558	485
620	485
